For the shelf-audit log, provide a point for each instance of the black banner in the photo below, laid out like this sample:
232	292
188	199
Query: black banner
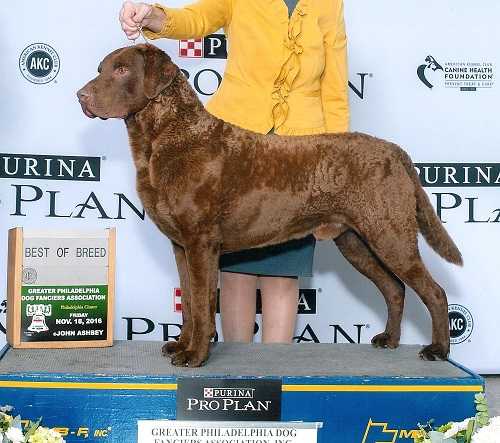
459	174
50	167
223	399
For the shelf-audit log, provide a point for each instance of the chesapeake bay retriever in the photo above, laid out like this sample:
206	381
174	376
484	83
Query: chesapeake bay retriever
212	187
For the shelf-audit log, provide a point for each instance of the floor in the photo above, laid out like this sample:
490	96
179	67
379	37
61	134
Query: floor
493	394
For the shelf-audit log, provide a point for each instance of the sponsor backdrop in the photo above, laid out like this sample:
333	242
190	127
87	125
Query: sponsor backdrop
416	78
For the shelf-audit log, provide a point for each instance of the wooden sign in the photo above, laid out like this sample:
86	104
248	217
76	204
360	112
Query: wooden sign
60	288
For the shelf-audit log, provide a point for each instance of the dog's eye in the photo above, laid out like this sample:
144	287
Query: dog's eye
121	70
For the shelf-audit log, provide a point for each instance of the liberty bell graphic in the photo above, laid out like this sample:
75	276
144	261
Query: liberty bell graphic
38	312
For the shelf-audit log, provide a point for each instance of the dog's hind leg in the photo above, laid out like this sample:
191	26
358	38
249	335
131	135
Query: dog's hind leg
362	258
175	346
398	250
213	302
202	265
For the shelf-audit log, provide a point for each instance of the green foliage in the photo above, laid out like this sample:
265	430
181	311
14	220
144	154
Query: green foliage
431	434
482	415
31	429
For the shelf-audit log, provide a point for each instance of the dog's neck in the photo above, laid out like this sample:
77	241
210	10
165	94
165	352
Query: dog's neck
176	113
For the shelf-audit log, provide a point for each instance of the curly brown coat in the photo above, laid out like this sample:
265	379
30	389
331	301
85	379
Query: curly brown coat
212	187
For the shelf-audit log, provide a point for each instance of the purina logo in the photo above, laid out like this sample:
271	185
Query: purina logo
50	167
62	167
39	63
228	393
200	398
461	75
461	323
211	46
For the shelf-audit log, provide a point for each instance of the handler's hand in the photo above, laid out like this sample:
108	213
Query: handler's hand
133	16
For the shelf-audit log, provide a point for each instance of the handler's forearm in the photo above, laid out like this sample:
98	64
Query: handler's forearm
155	20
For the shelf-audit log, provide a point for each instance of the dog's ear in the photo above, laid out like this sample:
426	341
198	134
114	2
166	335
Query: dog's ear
159	71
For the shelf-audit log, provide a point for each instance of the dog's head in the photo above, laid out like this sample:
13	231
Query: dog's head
128	79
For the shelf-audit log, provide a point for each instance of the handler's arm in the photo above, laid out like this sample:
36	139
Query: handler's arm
334	81
193	21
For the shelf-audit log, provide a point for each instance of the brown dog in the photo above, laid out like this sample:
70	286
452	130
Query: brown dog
212	188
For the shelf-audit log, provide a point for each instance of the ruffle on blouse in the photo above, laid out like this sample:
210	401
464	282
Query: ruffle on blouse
290	68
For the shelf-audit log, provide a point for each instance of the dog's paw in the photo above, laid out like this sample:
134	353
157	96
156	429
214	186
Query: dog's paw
434	352
384	340
170	348
190	359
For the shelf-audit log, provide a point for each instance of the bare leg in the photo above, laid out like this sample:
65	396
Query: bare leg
237	306
280	297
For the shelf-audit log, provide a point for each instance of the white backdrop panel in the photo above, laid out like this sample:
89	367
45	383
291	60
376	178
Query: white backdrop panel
388	40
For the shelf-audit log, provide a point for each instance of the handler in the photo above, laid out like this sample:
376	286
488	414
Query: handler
286	73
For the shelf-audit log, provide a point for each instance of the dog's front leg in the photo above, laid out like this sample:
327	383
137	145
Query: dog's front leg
202	259
175	346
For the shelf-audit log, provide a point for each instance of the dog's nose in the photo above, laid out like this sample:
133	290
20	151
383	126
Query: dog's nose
82	94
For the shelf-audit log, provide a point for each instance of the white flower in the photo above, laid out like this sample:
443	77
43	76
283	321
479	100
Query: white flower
488	434
15	435
456	428
45	435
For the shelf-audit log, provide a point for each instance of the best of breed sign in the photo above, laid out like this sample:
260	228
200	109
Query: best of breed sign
61	288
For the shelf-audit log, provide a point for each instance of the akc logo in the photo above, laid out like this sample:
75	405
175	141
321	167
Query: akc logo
461	323
39	63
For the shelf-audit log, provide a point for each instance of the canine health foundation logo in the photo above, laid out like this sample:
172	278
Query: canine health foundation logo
462	75
39	63
461	323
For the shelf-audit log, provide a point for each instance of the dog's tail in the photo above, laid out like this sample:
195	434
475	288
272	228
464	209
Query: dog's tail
429	223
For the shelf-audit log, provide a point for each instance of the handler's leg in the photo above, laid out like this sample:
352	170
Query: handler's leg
237	306
280	297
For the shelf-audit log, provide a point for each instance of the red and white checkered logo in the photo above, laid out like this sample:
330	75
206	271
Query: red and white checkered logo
192	48
177	300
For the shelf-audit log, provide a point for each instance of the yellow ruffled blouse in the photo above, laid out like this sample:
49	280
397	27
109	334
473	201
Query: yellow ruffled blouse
285	73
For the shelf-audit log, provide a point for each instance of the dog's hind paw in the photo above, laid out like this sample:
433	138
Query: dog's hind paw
434	352
170	348
191	359
384	340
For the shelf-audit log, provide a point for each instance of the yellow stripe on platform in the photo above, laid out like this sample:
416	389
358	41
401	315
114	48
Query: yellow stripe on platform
100	386
285	388
382	388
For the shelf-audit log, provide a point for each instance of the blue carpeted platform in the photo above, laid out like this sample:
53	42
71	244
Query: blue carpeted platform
358	393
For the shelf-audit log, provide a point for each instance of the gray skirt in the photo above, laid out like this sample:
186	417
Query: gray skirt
293	258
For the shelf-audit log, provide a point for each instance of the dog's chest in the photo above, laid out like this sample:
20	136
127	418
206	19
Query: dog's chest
157	204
